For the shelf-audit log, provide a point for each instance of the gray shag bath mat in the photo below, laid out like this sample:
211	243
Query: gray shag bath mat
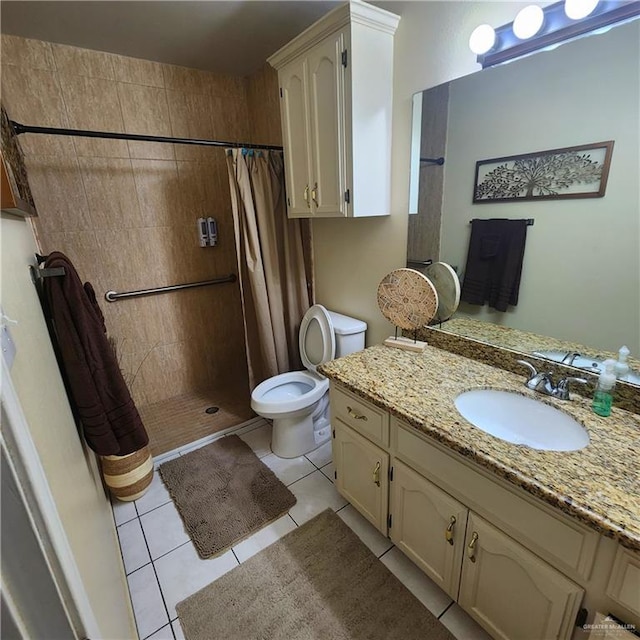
224	493
319	581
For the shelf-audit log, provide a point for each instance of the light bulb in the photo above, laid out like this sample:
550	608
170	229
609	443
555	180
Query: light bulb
528	22
578	9
482	39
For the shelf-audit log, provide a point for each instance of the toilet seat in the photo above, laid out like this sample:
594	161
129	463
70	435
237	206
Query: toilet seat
316	338
288	392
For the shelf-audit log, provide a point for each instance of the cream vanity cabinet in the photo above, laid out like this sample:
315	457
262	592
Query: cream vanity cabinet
489	562
336	87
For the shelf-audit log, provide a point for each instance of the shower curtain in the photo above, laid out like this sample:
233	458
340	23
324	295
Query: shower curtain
275	262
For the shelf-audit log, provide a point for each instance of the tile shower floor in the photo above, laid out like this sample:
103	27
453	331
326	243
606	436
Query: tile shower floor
163	566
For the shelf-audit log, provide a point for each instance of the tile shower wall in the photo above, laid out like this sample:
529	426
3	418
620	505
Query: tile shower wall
125	212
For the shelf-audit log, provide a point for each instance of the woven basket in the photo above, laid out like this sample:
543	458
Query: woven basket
128	477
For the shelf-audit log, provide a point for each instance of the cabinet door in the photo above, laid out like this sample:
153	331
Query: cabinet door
327	124
295	135
362	474
428	525
510	591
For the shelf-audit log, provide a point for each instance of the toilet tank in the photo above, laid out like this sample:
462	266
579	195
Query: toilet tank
349	333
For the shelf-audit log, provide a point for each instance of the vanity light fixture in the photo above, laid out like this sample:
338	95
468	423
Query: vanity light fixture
528	22
482	39
535	28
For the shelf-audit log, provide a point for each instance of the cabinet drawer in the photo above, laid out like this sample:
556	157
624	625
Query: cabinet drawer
624	584
565	543
367	419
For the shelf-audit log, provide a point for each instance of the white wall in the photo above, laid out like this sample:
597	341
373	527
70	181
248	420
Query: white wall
70	468
352	256
581	272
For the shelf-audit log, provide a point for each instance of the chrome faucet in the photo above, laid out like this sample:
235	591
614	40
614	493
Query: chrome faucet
570	357
543	382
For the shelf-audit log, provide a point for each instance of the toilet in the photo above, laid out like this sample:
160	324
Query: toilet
298	401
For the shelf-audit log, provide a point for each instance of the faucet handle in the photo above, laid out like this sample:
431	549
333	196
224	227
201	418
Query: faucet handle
562	390
534	371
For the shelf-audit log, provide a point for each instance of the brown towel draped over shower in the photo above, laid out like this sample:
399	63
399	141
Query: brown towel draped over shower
110	420
494	262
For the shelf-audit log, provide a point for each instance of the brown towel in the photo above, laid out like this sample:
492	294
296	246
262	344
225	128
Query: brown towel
494	262
110	420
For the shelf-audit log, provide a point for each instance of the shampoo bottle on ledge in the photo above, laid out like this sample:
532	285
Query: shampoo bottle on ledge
603	396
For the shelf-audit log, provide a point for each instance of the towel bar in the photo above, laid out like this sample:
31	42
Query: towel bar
112	296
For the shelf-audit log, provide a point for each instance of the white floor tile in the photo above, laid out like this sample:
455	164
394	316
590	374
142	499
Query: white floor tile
322	455
134	549
263	538
288	470
462	625
163	529
123	511
156	495
423	588
315	493
259	440
365	531
329	471
182	572
177	629
147	601
166	633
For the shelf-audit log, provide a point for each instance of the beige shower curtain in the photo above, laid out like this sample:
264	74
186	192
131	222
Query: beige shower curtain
275	262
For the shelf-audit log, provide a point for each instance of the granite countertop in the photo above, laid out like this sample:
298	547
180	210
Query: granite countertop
599	485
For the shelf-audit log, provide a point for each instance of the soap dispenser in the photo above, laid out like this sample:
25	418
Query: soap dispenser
603	396
621	367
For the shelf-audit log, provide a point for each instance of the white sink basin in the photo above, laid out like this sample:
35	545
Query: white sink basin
521	420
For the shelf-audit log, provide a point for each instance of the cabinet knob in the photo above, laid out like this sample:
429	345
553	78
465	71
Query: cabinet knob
448	534
356	416
306	197
376	474
314	194
471	549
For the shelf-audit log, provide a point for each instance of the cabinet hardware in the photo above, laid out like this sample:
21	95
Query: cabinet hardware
281	92
344	58
376	474
306	197
335	475
347	196
448	534
471	549
389	520
314	194
334	433
356	416
391	474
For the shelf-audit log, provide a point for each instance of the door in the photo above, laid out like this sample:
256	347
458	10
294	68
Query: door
510	591
428	525
362	474
327	129
295	134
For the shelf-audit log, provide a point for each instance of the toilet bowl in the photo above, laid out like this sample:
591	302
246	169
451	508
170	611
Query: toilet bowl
298	401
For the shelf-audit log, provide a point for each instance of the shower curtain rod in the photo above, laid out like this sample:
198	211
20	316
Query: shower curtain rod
82	133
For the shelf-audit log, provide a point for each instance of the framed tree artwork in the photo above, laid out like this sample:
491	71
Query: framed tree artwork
571	172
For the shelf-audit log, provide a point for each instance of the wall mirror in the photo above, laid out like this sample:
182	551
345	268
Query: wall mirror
581	272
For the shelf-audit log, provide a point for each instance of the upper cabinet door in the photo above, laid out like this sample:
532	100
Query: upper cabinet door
293	85
327	120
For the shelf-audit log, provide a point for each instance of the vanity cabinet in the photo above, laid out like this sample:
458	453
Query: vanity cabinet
448	519
336	86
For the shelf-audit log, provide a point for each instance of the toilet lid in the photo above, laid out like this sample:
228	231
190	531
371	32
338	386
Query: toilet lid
316	339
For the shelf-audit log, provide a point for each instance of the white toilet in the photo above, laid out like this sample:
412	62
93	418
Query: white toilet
298	401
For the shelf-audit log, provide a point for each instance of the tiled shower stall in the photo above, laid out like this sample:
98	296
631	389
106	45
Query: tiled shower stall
125	213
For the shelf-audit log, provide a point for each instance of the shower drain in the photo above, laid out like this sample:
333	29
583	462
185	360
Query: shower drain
212	410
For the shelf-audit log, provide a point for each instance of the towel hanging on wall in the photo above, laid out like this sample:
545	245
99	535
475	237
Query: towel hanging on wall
494	262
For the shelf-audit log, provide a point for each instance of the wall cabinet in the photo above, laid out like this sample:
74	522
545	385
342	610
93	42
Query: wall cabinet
500	581
336	87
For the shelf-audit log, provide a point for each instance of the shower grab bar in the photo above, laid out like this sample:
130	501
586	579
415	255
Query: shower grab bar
112	296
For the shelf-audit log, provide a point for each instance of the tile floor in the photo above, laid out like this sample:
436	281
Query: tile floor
163	566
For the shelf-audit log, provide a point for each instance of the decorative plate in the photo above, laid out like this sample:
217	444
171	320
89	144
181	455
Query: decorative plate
447	284
407	299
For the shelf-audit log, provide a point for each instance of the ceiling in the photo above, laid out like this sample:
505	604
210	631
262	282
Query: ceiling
232	37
